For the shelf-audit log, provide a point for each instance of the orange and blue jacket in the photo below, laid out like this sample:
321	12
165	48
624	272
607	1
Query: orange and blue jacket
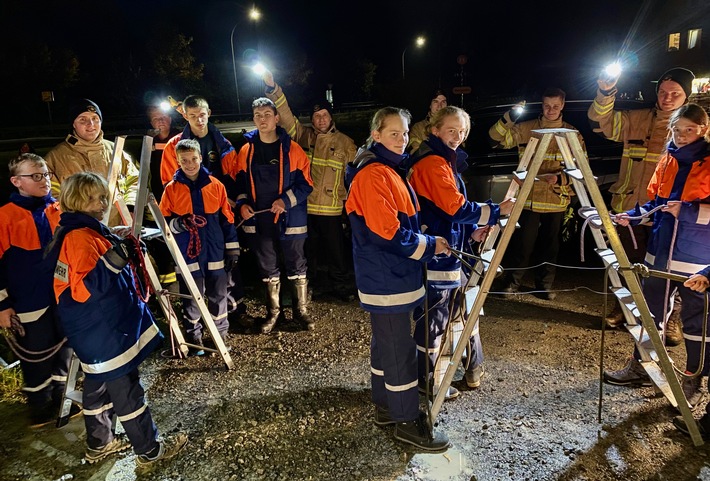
106	323
206	197
26	228
291	182
682	174
435	175
389	249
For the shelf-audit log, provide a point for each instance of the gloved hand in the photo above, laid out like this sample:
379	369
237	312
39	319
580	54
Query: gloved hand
126	249
517	111
231	258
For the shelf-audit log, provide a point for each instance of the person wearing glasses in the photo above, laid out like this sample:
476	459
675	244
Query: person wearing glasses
86	150
27	303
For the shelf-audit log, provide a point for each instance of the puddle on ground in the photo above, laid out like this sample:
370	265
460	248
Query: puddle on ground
441	467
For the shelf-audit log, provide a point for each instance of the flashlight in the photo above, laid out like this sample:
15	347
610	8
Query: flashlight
165	106
258	68
613	70
519	108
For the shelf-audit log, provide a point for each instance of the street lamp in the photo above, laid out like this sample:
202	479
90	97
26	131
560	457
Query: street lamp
419	43
254	15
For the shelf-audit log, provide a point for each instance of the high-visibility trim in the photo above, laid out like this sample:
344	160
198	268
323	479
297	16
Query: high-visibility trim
133	415
26	317
291	197
432	350
3	295
602	109
241	196
297	276
232	245
96	412
125	357
452	275
421	248
333	164
110	266
38	388
704	214
213	266
325	209
192	267
678	266
377	372
402	387
57	378
167	278
691	337
249	229
296	230
221	316
616	127
545	206
385	300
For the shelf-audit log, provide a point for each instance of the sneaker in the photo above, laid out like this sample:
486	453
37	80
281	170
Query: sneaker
674	330
680	425
196	351
417	433
452	393
167	448
633	374
474	376
691	389
116	445
382	417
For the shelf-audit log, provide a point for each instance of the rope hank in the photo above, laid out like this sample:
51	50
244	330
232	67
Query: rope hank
192	223
16	329
593	219
141	280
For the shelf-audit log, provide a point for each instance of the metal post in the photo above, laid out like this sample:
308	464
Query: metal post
403	51
234	67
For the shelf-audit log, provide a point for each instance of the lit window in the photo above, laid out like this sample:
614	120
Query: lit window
694	35
674	41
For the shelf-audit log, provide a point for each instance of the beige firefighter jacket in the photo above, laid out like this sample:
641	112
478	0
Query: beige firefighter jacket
329	154
644	133
418	134
76	155
544	197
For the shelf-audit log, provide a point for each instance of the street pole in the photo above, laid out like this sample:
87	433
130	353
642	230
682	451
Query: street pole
234	67
403	51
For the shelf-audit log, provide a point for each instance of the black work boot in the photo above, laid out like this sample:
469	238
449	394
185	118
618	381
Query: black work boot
418	433
300	306
273	307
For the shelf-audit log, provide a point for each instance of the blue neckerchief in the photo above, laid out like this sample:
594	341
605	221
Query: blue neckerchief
203	178
36	206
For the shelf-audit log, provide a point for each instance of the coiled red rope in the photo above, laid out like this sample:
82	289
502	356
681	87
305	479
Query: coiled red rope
141	280
192	223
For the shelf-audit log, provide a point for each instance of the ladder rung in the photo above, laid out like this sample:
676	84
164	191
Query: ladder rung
626	300
575	174
607	255
520	175
75	396
659	379
645	341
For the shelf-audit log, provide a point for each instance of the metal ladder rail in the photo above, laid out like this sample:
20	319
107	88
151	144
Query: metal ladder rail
456	325
671	388
528	177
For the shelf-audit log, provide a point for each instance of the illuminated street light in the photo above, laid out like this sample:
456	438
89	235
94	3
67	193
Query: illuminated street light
419	43
254	15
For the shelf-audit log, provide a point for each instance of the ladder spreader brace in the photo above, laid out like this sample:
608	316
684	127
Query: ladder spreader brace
640	323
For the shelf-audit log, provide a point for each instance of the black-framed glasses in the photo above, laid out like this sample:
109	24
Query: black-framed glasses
38	176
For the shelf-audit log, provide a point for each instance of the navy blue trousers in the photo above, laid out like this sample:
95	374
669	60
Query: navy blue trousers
393	365
214	288
125	398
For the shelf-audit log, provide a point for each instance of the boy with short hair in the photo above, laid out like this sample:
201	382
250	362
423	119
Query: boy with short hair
106	323
217	155
273	182
26	226
195	207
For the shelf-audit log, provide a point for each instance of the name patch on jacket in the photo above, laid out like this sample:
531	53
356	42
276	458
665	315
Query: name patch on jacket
61	272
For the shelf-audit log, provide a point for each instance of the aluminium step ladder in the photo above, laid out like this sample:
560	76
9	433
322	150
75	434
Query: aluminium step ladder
640	323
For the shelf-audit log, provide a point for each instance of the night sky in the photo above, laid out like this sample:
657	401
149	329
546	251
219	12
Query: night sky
514	48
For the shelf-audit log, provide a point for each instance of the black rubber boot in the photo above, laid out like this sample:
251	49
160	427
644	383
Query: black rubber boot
300	306
418	433
273	306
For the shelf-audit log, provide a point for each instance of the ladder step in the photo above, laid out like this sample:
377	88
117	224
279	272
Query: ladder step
471	299
659	379
627	301
576	174
75	396
645	341
520	175
487	256
607	256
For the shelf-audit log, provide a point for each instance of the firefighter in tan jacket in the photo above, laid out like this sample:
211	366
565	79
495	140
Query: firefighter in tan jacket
329	152
644	133
541	219
86	150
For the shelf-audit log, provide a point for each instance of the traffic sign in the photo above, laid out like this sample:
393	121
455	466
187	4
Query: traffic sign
463	90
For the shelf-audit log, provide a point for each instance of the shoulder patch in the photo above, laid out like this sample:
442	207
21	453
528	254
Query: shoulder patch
61	272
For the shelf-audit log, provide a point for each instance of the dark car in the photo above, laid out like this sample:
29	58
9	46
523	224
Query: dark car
490	171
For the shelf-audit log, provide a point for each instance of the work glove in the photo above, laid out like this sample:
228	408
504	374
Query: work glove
231	258
127	249
516	112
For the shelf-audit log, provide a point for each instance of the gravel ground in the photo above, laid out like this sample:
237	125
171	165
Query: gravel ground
297	408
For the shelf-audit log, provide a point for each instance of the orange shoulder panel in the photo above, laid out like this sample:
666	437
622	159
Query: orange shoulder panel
433	179
80	251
